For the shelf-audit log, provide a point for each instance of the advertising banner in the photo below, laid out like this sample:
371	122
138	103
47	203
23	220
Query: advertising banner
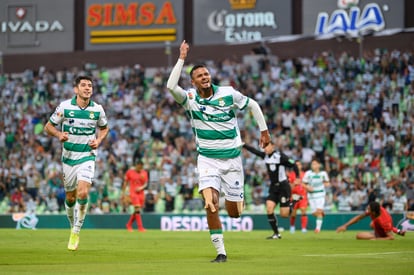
351	18
125	24
237	21
37	26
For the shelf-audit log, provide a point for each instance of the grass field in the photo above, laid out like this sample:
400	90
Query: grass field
156	252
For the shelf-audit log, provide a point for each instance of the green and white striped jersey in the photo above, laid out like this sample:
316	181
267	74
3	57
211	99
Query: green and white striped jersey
214	121
81	125
316	180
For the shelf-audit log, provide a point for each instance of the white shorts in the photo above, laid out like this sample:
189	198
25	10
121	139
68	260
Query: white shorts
318	203
224	175
72	174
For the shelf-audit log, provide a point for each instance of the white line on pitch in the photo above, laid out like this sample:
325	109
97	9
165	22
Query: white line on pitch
358	254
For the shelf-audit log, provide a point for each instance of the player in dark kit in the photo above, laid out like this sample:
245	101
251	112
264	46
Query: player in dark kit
279	190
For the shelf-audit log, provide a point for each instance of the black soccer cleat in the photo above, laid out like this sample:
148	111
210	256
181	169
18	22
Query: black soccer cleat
221	258
401	232
274	237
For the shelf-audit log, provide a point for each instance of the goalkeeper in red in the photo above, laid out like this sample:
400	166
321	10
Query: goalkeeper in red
381	222
137	178
212	112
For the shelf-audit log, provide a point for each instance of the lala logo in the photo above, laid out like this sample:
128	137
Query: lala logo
353	23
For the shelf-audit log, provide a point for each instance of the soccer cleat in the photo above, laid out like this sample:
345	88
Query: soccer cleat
274	237
221	258
317	231
129	228
142	230
304	230
292	229
73	241
401	232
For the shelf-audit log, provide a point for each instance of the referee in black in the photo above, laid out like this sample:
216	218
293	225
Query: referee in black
279	190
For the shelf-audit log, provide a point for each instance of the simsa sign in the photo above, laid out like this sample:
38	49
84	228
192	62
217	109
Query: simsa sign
237	21
36	26
131	24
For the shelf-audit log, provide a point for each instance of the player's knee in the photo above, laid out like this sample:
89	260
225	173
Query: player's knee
82	194
234	209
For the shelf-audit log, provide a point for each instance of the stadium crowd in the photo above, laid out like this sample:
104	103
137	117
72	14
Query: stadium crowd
355	115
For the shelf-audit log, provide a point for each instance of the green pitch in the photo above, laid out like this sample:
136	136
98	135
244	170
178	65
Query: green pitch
156	252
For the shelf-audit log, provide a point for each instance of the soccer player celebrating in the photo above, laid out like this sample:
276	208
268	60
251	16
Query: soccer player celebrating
381	222
314	182
211	110
79	117
137	178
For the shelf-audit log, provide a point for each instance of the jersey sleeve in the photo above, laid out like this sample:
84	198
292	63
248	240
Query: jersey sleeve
240	100
325	176
103	120
58	115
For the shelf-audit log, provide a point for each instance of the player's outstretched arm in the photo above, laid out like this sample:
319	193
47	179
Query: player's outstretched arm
350	222
259	117
172	83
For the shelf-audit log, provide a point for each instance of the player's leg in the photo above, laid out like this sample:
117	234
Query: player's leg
70	201
233	187
214	224
81	206
69	183
84	174
271	217
319	219
137	209
303	218
285	199
365	236
316	210
132	201
293	219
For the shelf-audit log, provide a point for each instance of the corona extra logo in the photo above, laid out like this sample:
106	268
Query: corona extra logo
242	4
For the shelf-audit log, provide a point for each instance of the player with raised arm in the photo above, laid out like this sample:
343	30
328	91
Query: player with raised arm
212	112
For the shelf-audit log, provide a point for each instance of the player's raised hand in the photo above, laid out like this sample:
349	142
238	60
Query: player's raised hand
184	48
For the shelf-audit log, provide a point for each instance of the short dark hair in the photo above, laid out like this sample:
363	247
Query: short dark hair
197	66
375	208
80	78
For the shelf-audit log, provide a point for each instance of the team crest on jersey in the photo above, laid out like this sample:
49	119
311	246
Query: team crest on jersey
221	102
190	96
91	115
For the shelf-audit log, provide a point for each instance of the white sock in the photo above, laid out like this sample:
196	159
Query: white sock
69	213
218	242
80	213
319	223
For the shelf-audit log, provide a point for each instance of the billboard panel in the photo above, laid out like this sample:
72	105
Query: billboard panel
237	21
126	24
36	26
351	17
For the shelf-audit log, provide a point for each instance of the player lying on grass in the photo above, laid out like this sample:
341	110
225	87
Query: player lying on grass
381	223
